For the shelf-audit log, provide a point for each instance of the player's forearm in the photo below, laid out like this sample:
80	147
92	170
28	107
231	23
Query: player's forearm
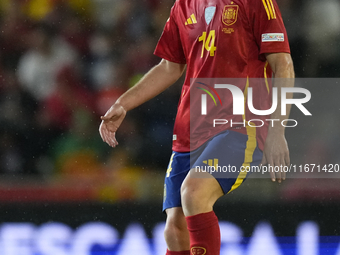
153	83
283	69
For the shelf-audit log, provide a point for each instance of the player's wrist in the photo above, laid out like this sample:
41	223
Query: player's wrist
120	104
279	130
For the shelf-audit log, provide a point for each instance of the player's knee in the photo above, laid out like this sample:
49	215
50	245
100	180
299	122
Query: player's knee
173	231
177	238
199	194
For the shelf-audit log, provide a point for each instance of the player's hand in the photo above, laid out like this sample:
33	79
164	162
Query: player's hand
276	154
110	123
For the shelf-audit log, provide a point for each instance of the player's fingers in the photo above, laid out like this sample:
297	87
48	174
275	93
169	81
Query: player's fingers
278	173
272	175
287	159
286	165
105	118
277	168
114	139
270	162
106	135
111	142
284	173
283	166
108	116
109	137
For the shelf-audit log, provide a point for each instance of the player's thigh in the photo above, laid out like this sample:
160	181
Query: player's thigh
199	193
224	158
179	166
178	169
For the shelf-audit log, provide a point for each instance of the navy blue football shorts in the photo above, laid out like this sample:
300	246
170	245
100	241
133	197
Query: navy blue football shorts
228	157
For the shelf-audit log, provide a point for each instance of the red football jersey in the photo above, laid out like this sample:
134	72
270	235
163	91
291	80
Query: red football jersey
221	39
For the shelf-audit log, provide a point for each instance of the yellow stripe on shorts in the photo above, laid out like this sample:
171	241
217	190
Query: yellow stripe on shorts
250	148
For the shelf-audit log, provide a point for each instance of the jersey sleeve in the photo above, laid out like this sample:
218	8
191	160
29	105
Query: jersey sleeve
268	28
169	45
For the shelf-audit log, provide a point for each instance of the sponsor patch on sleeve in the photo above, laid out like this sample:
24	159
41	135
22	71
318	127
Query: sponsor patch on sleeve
273	37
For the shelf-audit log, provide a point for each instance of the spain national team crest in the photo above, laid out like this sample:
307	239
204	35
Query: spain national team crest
198	250
229	15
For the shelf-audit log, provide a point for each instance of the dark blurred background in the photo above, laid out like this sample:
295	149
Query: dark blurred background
64	62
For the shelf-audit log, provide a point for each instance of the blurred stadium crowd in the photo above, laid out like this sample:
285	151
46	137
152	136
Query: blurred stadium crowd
64	62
